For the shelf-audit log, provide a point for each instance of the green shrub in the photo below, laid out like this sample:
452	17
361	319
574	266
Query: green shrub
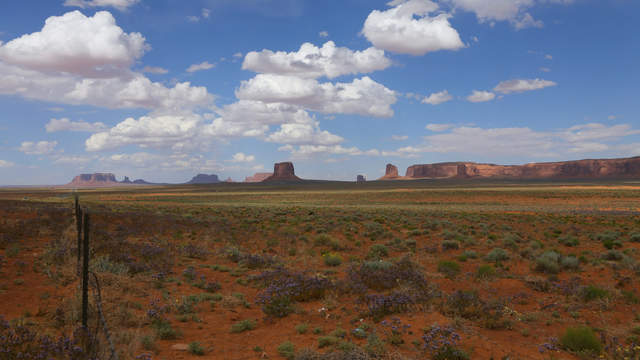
613	255
164	331
244	325
196	349
332	259
450	245
485	272
324	341
592	292
470	254
497	255
377	252
610	239
287	350
449	352
568	240
581	339
449	268
548	262
570	262
635	237
302	328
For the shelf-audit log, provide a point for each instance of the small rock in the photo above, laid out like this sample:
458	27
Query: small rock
180	347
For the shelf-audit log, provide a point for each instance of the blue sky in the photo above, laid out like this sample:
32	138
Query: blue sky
165	89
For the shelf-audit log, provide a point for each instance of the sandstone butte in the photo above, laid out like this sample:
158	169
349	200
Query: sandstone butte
283	172
579	169
97	179
257	177
390	173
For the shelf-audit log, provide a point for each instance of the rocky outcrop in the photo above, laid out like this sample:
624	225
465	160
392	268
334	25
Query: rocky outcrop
390	173
257	177
126	180
580	169
361	179
283	172
94	180
204	179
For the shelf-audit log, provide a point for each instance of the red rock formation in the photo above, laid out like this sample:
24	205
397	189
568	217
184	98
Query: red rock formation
580	169
94	180
390	173
257	177
283	172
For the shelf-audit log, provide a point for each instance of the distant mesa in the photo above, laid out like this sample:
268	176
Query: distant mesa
579	169
390	173
126	180
283	172
94	180
361	179
229	180
204	179
257	177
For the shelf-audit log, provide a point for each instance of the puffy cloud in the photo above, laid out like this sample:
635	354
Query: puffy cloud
399	137
481	96
304	133
514	11
438	98
241	157
65	124
408	28
121	5
438	127
155	70
38	148
132	91
6	164
73	160
83	60
323	34
165	131
362	96
522	85
199	67
311	61
76	44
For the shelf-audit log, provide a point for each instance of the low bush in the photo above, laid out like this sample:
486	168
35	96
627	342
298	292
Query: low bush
377	252
449	268
287	350
581	339
243	325
485	272
497	255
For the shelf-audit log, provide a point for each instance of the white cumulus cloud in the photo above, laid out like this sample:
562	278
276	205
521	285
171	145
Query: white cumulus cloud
481	96
311	61
64	124
362	96
205	65
409	28
38	148
76	44
438	127
242	157
6	164
438	98
522	85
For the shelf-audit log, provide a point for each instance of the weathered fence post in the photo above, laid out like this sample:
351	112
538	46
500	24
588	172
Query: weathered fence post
85	269
79	232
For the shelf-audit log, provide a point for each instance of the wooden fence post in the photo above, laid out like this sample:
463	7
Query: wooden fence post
85	269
